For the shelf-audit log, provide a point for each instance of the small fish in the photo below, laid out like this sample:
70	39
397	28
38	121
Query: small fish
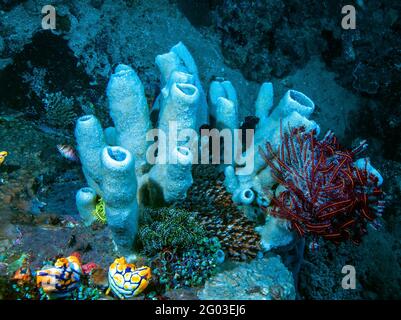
68	152
3	156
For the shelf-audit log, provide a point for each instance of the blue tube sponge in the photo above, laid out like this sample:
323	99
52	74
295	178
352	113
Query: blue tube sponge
119	193
179	59
173	180
86	204
130	113
114	160
222	89
90	143
110	173
180	106
293	110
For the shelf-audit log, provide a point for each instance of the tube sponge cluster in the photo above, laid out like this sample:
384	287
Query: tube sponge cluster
293	110
261	185
110	174
179	67
114	160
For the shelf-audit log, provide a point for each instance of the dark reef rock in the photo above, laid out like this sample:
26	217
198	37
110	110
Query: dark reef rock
35	177
198	12
46	65
376	259
7	5
265	38
375	73
284	34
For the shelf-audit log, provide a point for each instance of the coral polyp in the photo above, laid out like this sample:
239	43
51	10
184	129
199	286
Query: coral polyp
326	193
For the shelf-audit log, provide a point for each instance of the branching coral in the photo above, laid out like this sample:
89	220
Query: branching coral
326	193
169	228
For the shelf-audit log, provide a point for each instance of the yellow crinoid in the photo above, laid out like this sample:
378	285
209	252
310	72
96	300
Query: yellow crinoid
100	211
3	155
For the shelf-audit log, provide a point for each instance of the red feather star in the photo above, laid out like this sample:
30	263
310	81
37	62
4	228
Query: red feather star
325	194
